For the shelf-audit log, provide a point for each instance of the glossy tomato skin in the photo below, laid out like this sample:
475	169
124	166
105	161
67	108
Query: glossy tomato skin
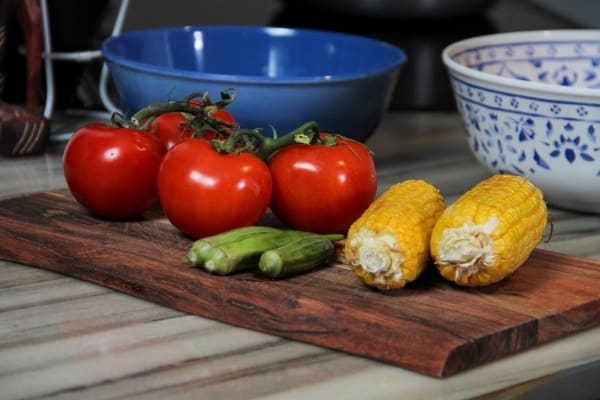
322	189
203	192
171	127
112	171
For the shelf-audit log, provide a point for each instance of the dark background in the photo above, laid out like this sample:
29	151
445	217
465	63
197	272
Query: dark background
423	84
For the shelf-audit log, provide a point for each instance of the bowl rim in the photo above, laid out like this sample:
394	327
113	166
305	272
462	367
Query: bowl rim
399	60
518	37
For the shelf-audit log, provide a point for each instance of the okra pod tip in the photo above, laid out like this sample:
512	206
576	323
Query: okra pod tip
218	263
271	263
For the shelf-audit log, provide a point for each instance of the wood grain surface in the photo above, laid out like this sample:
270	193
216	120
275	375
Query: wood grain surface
431	327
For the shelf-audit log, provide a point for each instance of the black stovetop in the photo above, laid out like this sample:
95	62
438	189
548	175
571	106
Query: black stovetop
423	83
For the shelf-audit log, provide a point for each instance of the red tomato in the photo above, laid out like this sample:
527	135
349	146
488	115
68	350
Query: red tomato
322	189
171	127
112	171
203	192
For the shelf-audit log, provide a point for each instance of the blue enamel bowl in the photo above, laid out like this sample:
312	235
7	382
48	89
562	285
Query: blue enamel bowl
282	77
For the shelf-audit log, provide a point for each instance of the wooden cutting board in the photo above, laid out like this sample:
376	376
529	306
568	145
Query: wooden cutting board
431	327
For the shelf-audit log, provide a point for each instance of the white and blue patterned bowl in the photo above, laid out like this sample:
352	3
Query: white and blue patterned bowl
530	103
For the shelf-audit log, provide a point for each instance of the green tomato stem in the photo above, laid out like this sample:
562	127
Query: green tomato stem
255	142
194	95
200	118
307	133
153	110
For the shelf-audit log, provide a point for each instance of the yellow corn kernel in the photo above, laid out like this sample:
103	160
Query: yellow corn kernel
388	245
490	231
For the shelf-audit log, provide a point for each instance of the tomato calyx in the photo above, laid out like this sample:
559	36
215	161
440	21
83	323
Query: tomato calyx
200	114
200	119
256	142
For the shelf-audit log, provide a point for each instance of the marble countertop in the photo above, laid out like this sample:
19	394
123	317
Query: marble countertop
61	338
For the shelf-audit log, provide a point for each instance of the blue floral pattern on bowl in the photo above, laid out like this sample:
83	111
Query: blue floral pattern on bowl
530	105
573	63
524	134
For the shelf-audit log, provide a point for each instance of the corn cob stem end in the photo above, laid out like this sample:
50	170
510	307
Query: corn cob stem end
376	258
468	248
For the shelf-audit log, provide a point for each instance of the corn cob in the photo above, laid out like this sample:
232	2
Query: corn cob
388	245
490	231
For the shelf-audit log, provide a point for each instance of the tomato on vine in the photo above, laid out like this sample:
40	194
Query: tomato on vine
176	121
174	127
203	191
111	171
210	176
322	187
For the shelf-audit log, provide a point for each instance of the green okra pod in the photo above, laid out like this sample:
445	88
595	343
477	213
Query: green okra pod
244	254
299	256
201	248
